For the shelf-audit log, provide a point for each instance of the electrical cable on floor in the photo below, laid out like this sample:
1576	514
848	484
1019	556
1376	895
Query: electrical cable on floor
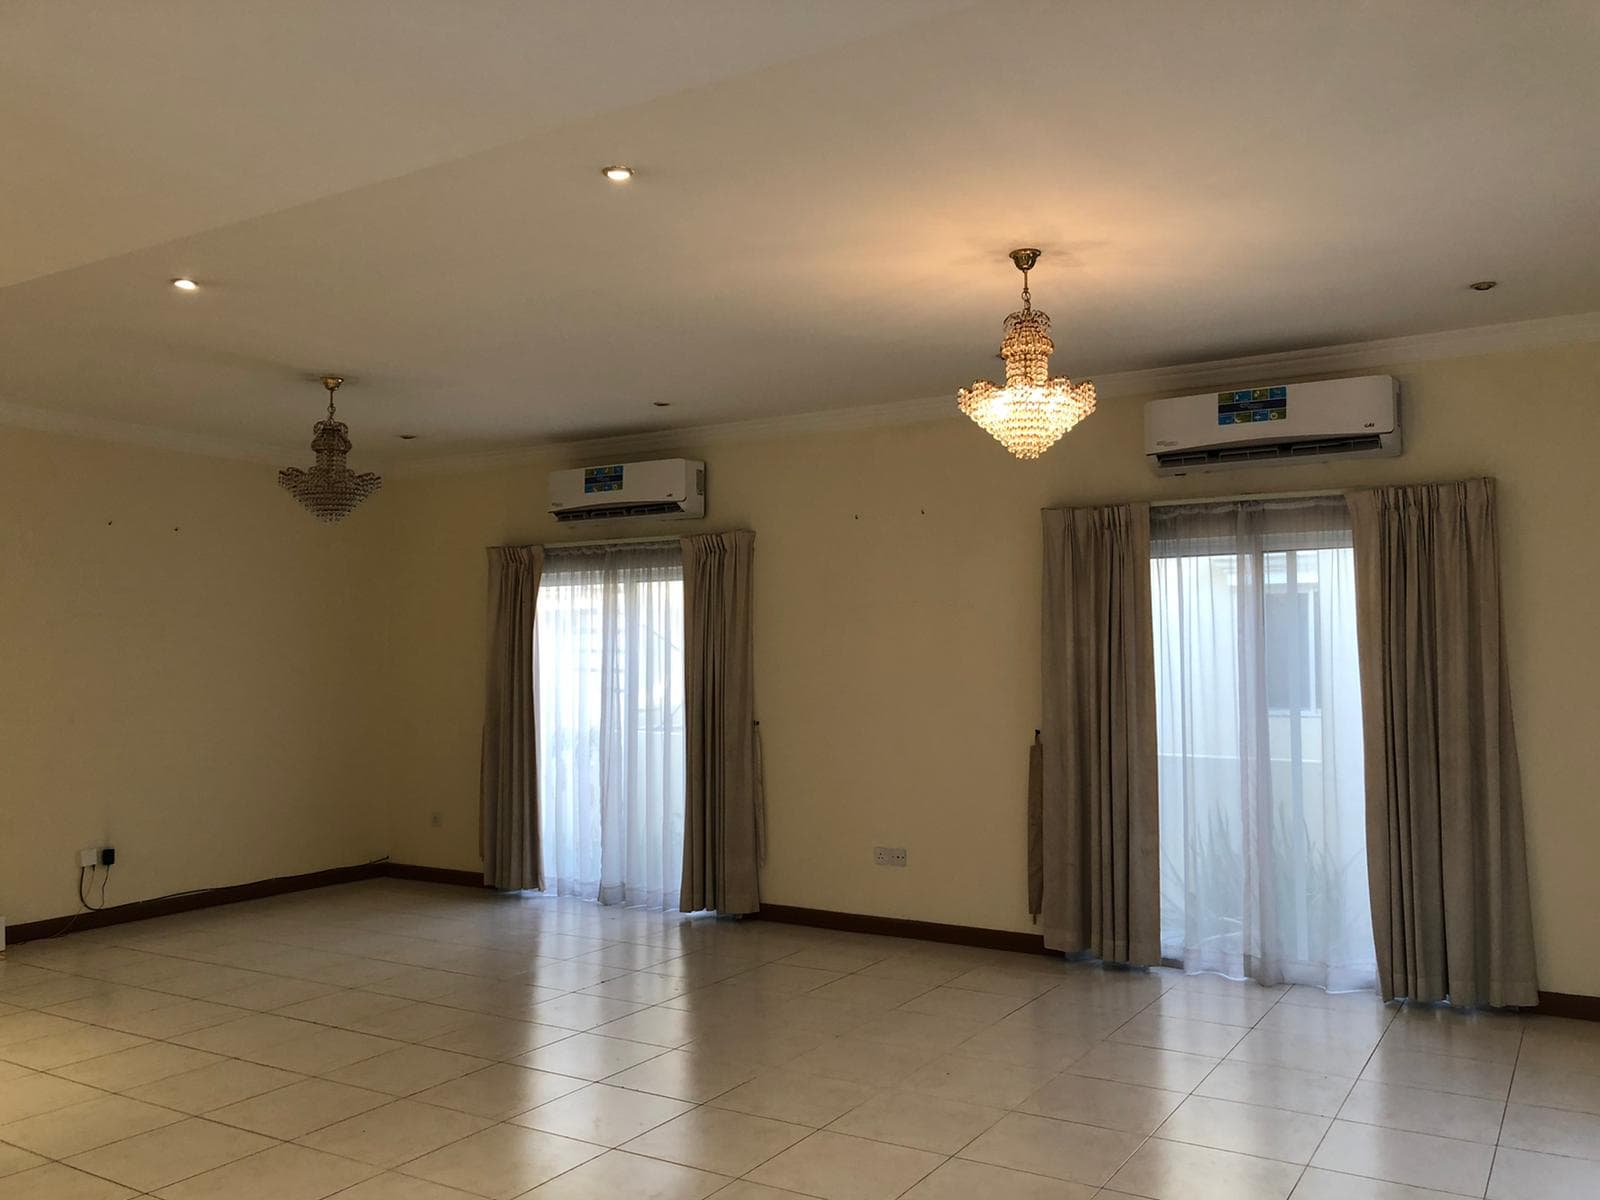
83	899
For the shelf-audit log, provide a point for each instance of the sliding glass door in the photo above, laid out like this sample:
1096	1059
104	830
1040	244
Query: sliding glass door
1263	850
611	723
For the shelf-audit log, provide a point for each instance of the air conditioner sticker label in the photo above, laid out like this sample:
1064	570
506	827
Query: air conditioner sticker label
602	479
1247	405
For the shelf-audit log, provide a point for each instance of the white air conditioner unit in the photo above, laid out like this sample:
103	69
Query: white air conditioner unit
1279	423
666	487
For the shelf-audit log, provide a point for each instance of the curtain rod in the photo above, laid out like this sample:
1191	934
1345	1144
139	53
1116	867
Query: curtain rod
637	541
658	540
1241	497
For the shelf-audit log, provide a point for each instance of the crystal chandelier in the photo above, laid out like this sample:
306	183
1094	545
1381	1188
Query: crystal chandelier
1030	413
330	490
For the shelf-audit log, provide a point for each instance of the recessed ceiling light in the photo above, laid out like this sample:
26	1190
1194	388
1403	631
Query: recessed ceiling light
662	403
1484	285
186	285
406	437
618	174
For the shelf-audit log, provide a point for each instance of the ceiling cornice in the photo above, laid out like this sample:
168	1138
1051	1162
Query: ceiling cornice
1154	381
130	433
1356	356
1351	356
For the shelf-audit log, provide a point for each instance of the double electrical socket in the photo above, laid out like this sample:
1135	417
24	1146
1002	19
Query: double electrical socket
889	856
97	856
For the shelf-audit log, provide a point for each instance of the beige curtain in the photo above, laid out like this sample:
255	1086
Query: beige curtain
1036	827
1449	875
722	826
508	774
1100	809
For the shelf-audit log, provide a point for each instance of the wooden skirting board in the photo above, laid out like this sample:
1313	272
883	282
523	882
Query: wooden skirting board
473	879
165	906
926	931
1553	1004
1569	1004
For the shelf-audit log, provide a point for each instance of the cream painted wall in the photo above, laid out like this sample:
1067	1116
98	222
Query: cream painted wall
229	691
898	645
186	671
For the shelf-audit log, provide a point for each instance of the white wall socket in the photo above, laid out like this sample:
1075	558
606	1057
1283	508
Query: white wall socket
889	856
89	857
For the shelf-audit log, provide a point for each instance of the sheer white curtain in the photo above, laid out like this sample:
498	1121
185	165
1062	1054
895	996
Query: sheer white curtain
610	723
1258	727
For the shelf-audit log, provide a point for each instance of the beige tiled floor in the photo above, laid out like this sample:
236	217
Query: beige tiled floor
395	1041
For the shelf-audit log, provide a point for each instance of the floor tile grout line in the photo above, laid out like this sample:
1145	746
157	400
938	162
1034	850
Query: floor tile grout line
864	967
366	987
151	985
1147	1138
235	1058
1389	1024
208	1115
1505	1111
1306	1166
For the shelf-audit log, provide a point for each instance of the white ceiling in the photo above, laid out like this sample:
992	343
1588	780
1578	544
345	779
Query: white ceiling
408	193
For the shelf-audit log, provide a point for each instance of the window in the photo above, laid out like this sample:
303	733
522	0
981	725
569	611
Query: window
1292	618
611	723
1263	850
